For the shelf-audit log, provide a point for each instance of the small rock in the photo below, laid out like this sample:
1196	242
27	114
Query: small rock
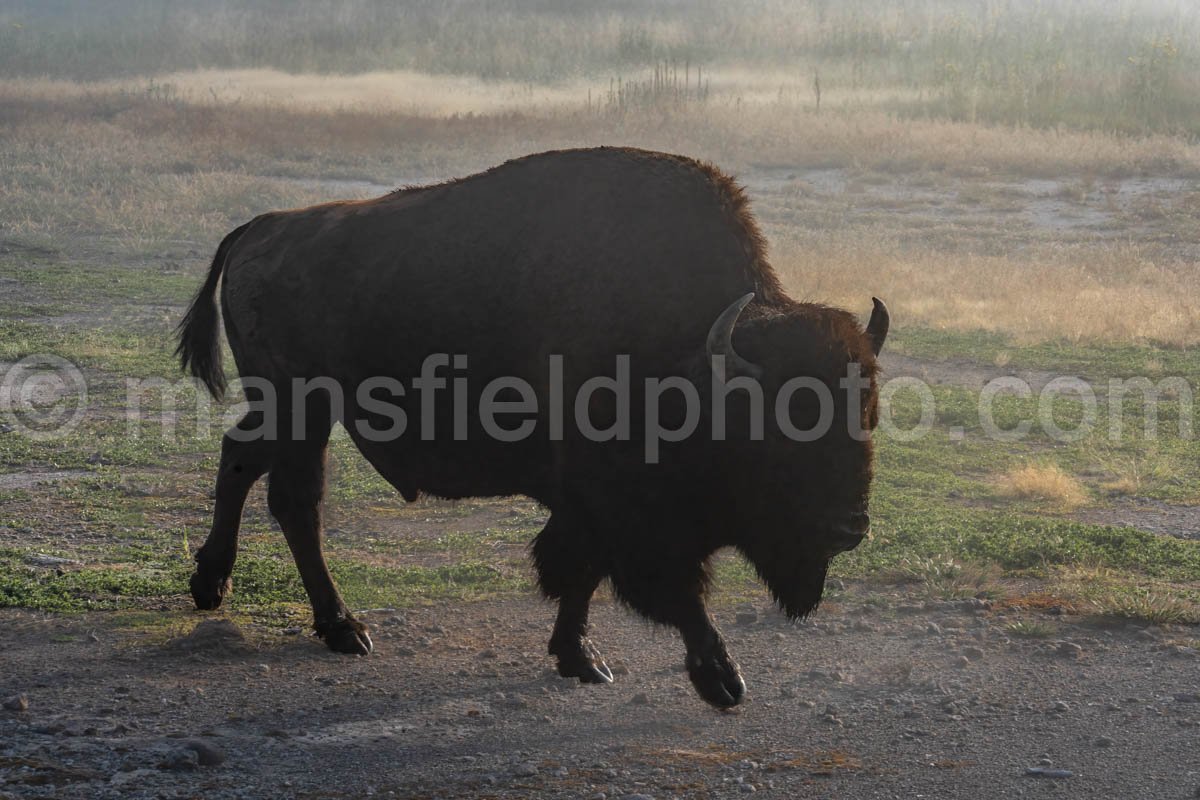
207	755
1046	772
40	560
1068	650
488	654
748	787
1061	706
1187	697
180	760
962	661
973	653
746	617
618	668
526	770
636	797
18	703
640	699
934	628
1105	741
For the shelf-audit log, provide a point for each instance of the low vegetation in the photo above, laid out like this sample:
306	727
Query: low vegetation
1018	181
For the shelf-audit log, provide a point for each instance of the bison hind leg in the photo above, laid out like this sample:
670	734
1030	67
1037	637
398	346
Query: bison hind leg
567	574
243	462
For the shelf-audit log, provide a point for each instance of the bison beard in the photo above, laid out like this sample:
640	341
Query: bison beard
583	254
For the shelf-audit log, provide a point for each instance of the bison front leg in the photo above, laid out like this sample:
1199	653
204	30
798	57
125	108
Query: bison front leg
567	574
674	595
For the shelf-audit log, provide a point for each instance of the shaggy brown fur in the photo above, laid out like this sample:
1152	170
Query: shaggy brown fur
583	254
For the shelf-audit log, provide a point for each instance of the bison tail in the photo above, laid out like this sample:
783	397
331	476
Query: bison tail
199	348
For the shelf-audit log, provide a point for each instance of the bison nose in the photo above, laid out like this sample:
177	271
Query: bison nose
850	533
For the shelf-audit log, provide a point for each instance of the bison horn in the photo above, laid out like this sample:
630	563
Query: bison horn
877	328
720	341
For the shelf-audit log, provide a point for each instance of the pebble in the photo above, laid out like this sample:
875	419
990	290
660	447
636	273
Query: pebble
1187	697
17	702
934	628
1046	772
973	653
1105	741
636	797
207	755
746	617
526	770
640	699
180	760
40	560
1069	650
1061	706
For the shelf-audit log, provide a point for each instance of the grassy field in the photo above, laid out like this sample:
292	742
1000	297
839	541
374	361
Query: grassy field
1021	183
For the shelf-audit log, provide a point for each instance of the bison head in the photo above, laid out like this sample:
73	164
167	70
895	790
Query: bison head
801	475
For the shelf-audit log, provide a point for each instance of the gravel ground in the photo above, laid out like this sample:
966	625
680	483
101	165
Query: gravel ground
915	699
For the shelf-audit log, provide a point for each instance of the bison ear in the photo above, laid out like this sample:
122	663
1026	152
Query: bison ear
877	328
720	342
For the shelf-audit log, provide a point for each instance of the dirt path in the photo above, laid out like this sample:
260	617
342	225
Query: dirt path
934	700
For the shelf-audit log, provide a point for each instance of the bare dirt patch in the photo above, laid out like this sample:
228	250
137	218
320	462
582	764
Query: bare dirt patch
1143	513
903	699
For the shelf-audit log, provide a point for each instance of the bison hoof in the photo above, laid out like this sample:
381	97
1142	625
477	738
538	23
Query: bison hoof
717	680
583	661
346	635
207	591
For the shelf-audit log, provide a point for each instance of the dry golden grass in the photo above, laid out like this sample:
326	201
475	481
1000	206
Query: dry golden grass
1046	483
1117	292
150	166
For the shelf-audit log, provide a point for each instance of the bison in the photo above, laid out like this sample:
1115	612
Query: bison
630	287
